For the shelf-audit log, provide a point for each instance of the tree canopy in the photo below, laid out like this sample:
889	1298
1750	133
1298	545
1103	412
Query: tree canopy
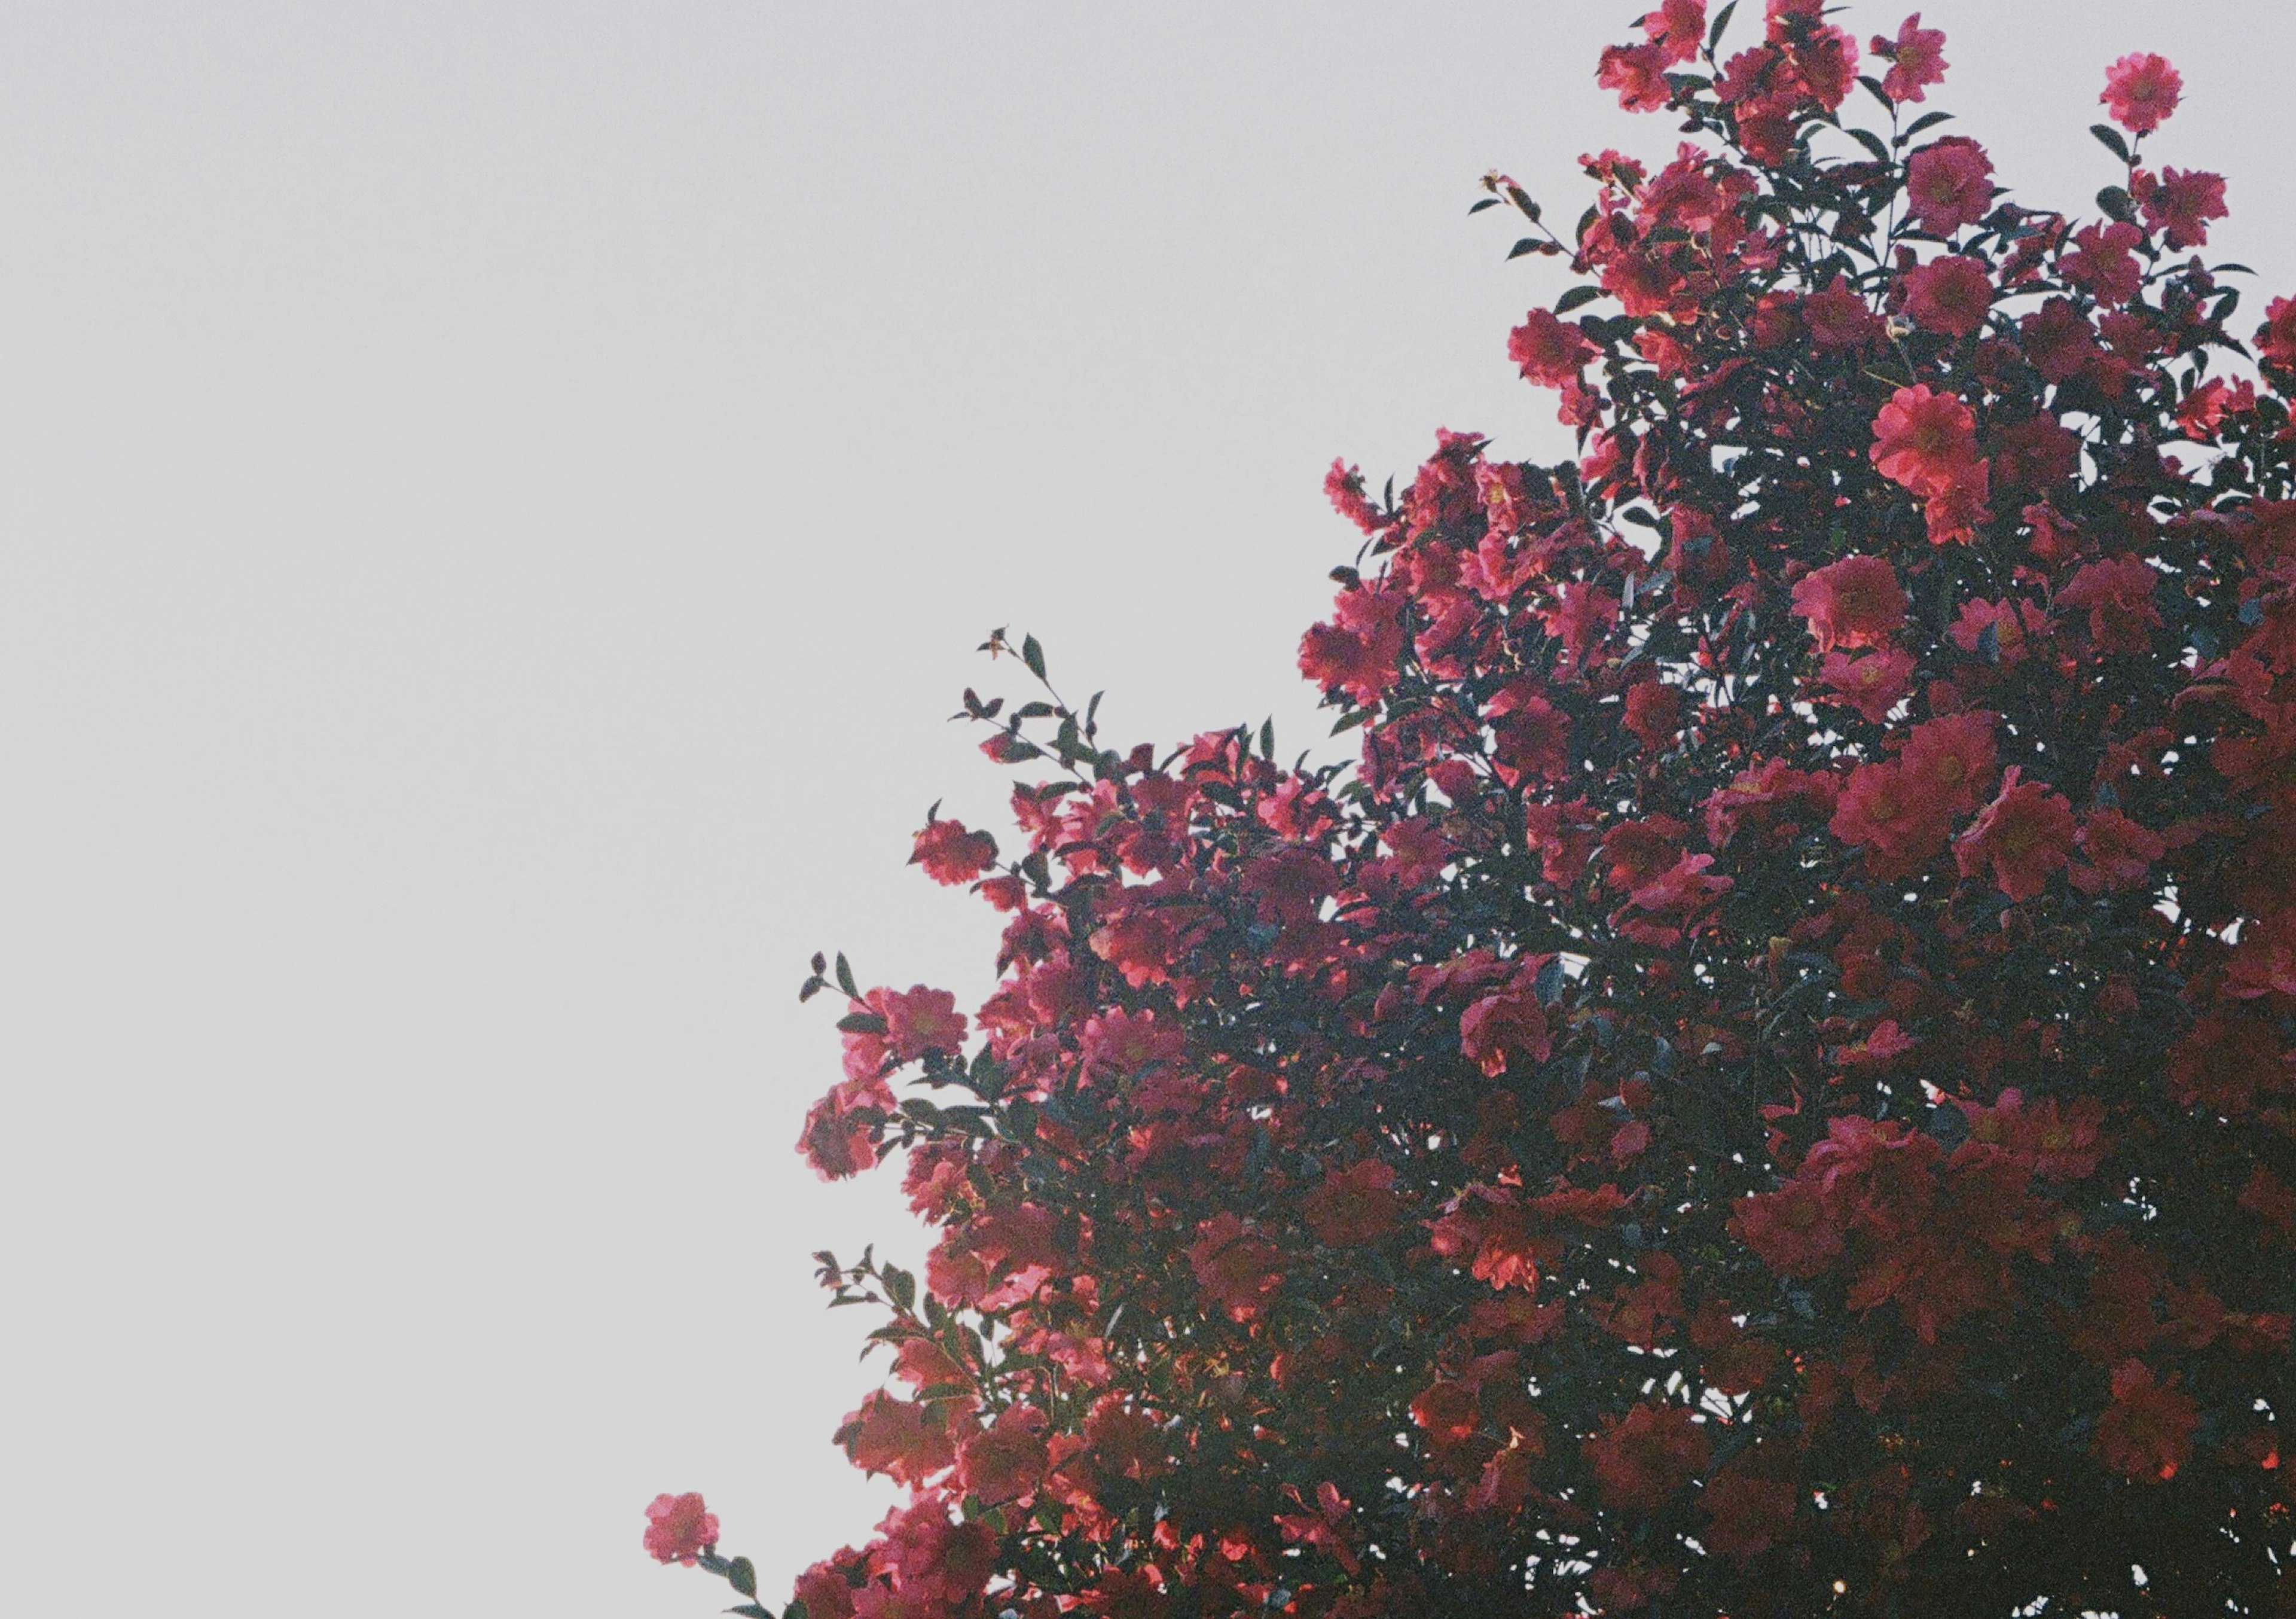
1765	1088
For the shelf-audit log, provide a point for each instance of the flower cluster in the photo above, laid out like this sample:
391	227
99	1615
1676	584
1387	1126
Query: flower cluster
1768	1084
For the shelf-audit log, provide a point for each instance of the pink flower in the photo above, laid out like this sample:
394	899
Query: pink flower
1917	59
1855	602
1949	184
1637	72
1343	486
1951	295
1926	441
2276	339
1873	684
679	1528
1678	28
2120	852
2023	835
2180	203
950	854
919	1021
1550	350
2118	593
2141	90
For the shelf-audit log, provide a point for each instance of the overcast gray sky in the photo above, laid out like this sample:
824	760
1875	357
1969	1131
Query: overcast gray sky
496	501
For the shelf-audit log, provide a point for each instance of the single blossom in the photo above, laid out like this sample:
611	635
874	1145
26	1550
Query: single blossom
1948	184
679	1528
1926	440
1549	350
950	854
1916	59
1855	602
2021	836
2141	90
1951	295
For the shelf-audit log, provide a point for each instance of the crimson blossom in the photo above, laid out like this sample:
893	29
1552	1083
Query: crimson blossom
1765	1088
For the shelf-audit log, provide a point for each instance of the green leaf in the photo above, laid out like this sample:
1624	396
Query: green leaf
751	1610
796	1610
1577	298
1033	655
2116	204
1268	739
845	978
1872	142
861	1022
2111	137
1721	21
1927	120
1486	202
903	1286
743	1576
1529	244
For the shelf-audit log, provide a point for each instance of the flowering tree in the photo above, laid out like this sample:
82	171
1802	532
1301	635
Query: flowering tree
1766	1090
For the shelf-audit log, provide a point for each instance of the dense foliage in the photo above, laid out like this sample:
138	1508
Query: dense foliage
1766	1090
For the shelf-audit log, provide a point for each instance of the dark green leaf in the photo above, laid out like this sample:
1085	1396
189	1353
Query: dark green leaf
1529	244
861	1022
1927	120
1486	202
743	1576
1268	739
845	978
1721	21
1872	142
2116	204
1576	298
1033	655
2111	139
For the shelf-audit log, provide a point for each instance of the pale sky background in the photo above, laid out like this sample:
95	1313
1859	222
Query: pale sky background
495	503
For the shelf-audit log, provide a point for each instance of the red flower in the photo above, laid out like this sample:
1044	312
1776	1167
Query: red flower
2180	203
1353	1206
1948	184
1678	28
1343	486
2146	1433
1006	1460
1916	59
1550	350
1951	295
1926	441
1837	317
1637	72
895	1436
679	1528
1855	602
1446	1411
1509	1025
2023	835
1236	1266
1357	653
950	854
2276	339
2141	90
1653	713
919	1021
1952	758
1881	809
1791	1230
1641	1460
2118	593
2119	851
